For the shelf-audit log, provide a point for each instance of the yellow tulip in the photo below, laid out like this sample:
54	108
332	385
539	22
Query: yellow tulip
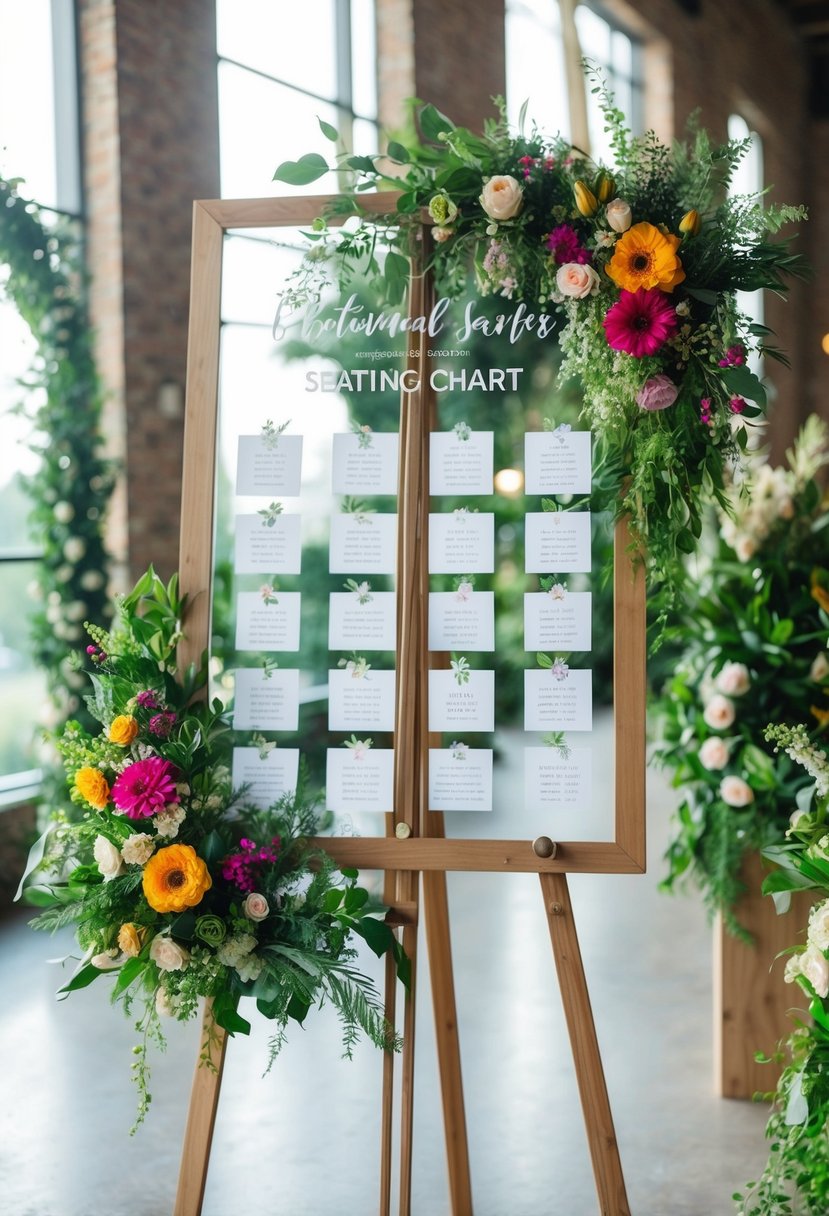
586	202
605	187
690	223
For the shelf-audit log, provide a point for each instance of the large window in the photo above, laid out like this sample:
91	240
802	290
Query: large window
536	67
39	143
748	179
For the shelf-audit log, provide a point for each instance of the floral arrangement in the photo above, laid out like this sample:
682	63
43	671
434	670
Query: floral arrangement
752	652
639	262
71	488
179	887
796	1177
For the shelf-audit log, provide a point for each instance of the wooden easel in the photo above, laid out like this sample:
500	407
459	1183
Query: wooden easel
415	844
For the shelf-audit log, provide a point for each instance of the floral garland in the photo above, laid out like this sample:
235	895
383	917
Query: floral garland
180	887
750	651
71	488
641	263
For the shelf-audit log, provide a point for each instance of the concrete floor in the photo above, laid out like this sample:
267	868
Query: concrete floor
303	1141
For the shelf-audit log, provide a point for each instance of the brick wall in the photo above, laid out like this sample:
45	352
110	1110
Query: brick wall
151	147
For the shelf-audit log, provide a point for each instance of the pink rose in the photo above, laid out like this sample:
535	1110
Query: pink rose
168	955
734	679
736	792
719	713
657	393
255	907
576	280
713	754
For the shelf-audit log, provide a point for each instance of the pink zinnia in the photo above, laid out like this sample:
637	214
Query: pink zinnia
161	724
640	322
147	699
565	246
144	788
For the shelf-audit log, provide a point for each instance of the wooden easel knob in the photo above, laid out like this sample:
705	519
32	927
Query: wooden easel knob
544	847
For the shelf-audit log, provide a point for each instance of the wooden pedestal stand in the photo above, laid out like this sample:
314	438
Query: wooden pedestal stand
415	843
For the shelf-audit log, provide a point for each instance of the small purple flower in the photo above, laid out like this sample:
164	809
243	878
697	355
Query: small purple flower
147	700
736	405
161	724
565	246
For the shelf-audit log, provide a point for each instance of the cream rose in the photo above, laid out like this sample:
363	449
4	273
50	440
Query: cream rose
816	970
502	197
576	280
736	792
108	858
792	970
820	668
734	680
137	849
618	215
255	907
713	754
168	955
164	1003
107	960
719	713
818	934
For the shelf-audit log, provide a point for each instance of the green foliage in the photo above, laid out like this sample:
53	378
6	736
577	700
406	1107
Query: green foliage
752	643
71	487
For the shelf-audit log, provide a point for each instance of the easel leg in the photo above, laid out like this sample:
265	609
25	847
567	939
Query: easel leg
201	1117
408	893
439	946
601	1136
387	1109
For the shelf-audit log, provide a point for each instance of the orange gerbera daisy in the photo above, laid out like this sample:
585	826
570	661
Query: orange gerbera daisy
645	257
175	878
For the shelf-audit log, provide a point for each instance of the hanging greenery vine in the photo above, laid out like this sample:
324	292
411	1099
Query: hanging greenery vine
73	482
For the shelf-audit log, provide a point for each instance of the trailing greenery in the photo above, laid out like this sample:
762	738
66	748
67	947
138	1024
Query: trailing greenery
62	394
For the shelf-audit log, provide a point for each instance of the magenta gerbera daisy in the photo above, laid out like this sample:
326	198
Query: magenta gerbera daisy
640	322
145	788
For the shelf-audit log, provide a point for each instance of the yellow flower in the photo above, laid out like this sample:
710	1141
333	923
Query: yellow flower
690	223
123	730
820	594
131	938
585	199
91	784
175	878
605	187
644	257
822	715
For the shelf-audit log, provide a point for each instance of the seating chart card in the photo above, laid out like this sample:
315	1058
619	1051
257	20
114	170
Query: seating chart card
360	698
362	619
359	778
363	543
267	543
558	699
557	542
265	699
461	542
557	462
558	619
460	778
365	463
462	620
557	782
460	461
267	619
269	772
461	699
269	464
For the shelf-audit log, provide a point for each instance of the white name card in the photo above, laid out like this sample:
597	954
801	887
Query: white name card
461	707
557	542
458	465
462	620
267	626
557	783
551	704
365	468
462	543
362	703
368	626
557	463
363	544
359	780
460	779
266	700
558	624
268	466
267	548
268	777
